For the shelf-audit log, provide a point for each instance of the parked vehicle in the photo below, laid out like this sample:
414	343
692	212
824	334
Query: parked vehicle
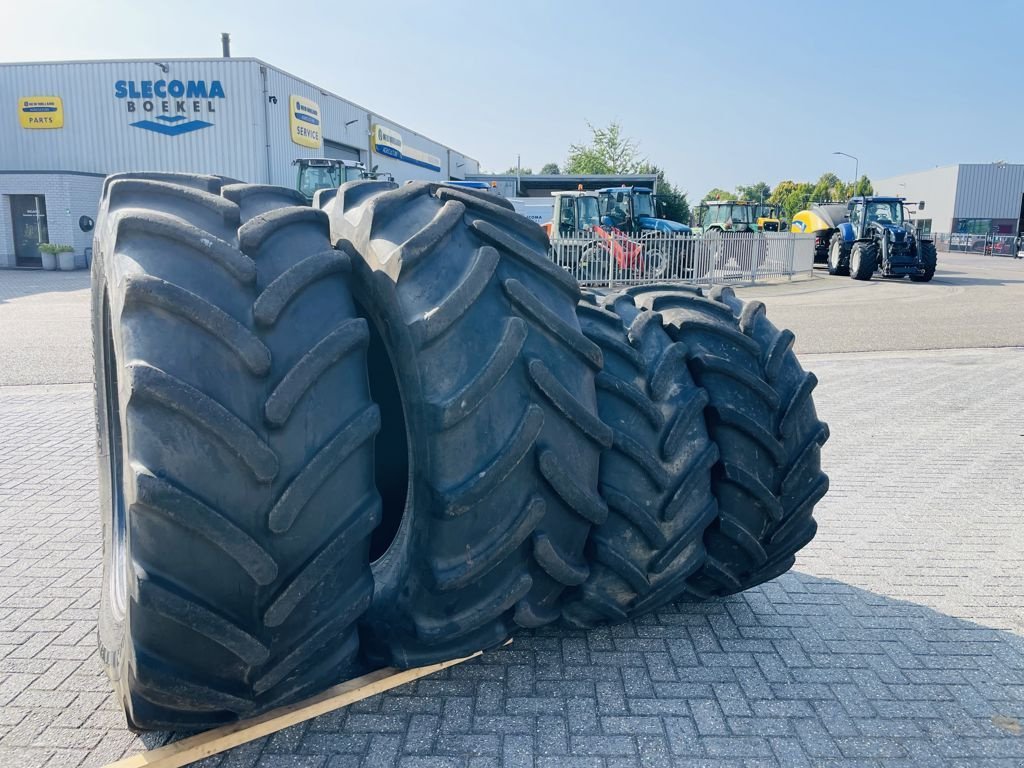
633	211
739	216
769	218
822	220
316	173
537	209
586	247
728	218
878	237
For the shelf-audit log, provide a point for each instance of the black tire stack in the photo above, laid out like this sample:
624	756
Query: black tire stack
388	430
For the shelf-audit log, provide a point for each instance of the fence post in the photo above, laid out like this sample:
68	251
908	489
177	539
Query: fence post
611	258
792	255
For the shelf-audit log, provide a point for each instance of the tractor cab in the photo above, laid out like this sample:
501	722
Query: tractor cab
730	216
316	173
884	212
633	209
573	213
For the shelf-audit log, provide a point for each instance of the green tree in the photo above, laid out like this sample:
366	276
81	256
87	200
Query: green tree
829	187
550	169
864	186
718	194
608	152
791	196
756	192
521	171
797	200
671	200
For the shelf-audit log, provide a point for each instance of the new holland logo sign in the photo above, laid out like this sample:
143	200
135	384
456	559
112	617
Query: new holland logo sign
387	141
170	107
41	112
304	122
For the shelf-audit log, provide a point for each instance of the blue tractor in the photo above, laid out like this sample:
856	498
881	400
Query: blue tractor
667	244
634	210
877	237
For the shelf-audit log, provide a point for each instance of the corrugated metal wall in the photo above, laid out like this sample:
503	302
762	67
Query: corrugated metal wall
335	113
989	191
249	135
98	135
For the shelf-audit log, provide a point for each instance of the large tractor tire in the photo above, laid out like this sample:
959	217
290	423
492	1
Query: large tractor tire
490	418
838	256
929	259
761	417
235	450
863	260
656	478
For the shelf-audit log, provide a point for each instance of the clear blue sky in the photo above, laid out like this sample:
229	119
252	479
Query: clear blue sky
718	94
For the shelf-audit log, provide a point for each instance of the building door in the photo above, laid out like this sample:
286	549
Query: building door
338	151
28	215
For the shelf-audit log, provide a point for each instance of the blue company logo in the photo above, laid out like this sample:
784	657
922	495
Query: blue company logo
171	126
173	100
305	114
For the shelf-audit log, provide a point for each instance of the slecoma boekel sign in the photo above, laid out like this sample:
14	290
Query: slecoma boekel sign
170	107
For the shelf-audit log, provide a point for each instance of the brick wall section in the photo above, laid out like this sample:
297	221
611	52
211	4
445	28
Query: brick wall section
68	196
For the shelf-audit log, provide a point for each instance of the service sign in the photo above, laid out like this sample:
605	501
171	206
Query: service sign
41	112
388	142
304	121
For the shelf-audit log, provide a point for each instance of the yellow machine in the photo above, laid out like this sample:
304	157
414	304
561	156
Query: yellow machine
822	220
768	218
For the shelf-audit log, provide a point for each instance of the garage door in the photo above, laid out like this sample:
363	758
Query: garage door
340	151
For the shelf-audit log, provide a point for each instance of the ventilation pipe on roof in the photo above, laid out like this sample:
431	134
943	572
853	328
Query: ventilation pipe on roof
225	44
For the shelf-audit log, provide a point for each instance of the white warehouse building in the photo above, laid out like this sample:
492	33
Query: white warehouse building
66	125
967	198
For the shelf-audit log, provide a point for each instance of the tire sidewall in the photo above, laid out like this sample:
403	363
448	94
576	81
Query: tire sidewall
835	256
395	570
112	625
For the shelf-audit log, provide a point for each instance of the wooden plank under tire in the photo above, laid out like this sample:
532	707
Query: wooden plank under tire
212	742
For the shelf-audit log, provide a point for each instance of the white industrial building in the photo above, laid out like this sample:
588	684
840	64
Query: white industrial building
66	125
974	198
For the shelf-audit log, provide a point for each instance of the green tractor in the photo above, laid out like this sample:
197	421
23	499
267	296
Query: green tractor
737	216
316	173
878	237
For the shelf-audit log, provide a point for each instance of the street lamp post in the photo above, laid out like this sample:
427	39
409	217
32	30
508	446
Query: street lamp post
856	169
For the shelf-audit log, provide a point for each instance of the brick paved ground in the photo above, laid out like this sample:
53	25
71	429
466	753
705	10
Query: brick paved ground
898	640
44	327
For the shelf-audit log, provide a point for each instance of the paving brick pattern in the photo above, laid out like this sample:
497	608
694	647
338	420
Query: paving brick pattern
898	640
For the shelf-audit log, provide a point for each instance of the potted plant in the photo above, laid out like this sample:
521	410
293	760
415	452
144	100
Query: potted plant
52	253
49	255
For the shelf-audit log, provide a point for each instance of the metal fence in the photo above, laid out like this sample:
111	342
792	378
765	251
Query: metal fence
989	245
607	259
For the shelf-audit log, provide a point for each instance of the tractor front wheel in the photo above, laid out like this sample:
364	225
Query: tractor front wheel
838	256
863	261
928	258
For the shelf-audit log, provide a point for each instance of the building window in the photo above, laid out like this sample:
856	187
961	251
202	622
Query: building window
28	217
974	226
